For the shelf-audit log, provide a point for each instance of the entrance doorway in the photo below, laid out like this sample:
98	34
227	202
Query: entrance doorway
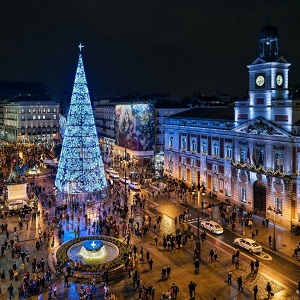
259	199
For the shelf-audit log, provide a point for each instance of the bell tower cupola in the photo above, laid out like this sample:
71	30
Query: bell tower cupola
268	43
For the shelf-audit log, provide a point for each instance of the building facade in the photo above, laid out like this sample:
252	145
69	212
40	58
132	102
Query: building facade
30	119
146	127
249	155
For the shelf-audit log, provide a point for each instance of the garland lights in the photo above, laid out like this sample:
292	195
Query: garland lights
80	168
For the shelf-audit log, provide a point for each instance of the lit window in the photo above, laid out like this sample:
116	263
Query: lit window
54	117
54	110
34	117
39	117
278	205
260	157
194	146
183	174
44	110
204	146
22	111
29	110
193	162
216	149
243	154
243	194
229	151
279	161
215	184
48	110
171	142
183	141
33	110
44	117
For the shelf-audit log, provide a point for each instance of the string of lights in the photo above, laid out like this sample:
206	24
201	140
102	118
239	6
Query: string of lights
80	168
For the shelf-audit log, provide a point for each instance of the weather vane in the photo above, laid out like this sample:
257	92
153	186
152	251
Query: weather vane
80	47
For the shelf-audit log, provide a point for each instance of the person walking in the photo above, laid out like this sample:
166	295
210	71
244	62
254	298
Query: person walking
66	280
150	263
255	291
240	284
156	240
237	262
192	289
215	255
256	265
10	290
269	290
270	240
229	277
252	266
211	254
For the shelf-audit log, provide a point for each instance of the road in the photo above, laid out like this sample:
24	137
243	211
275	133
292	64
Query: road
282	269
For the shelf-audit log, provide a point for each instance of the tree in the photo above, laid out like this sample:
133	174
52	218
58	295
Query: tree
80	168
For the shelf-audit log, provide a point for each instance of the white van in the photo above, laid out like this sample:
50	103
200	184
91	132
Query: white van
17	206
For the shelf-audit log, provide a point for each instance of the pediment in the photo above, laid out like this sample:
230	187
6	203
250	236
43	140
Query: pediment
258	61
262	127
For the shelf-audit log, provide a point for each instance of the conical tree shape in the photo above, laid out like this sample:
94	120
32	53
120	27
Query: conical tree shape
80	168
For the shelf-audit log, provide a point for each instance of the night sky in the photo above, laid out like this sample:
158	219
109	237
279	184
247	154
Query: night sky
176	47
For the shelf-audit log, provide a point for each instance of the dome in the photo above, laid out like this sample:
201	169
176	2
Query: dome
296	96
268	31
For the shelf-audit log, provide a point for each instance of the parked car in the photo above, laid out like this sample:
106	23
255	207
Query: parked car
114	174
212	226
109	170
248	244
125	179
134	185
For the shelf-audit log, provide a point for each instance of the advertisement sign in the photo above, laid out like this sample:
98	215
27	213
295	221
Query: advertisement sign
134	126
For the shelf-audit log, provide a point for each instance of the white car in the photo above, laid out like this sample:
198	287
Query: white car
212	226
109	170
135	185
114	174
125	179
248	244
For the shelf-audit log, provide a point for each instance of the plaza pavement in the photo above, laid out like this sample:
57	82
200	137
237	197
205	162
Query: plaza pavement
211	281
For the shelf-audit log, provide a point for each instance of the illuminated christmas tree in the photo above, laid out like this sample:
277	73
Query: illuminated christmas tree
80	168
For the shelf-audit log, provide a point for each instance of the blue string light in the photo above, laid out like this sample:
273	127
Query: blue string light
80	168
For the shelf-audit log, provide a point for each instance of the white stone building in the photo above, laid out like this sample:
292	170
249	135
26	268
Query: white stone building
249	155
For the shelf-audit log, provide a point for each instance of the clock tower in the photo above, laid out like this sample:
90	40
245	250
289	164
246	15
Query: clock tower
268	84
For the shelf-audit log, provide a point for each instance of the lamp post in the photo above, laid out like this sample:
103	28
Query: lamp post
198	246
125	194
275	212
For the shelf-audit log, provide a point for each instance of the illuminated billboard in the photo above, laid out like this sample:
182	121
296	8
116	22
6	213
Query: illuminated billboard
134	126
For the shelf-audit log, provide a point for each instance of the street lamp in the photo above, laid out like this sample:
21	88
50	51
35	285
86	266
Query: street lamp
125	194
275	212
198	246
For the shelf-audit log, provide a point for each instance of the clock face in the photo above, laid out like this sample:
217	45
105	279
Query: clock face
279	79
260	80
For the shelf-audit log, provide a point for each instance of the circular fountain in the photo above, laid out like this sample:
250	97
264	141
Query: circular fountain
93	251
